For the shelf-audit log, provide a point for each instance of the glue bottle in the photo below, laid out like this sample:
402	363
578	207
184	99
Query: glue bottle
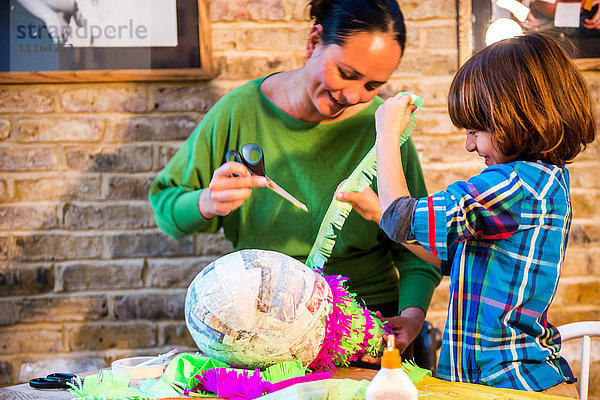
391	382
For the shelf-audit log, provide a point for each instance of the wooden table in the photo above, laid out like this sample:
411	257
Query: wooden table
427	387
25	392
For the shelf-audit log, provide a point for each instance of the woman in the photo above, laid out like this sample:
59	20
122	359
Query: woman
314	124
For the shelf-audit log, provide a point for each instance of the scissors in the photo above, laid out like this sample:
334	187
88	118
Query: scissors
57	380
252	158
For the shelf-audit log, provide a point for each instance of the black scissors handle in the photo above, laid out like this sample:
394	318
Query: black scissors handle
57	380
252	158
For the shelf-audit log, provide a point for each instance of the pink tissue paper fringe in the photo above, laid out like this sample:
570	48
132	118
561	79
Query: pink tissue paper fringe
338	327
233	385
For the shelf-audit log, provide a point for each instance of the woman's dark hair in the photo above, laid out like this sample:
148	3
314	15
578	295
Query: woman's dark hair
529	95
343	18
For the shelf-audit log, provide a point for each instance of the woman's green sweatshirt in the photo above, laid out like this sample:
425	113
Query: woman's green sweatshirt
309	161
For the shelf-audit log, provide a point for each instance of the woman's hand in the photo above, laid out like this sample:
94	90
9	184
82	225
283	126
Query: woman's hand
392	118
366	203
405	326
226	192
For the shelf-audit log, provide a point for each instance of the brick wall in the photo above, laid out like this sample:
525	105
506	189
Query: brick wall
85	275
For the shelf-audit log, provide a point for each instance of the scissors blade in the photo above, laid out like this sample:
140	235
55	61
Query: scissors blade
280	191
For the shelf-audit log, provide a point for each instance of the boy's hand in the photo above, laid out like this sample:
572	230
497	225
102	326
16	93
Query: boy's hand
392	118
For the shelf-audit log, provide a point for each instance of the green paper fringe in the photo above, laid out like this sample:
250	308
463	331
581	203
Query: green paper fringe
283	371
338	211
414	372
106	384
354	344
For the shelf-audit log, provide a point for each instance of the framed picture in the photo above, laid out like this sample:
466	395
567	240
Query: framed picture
577	20
104	40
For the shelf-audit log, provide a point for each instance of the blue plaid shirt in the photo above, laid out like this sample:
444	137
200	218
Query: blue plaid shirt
504	233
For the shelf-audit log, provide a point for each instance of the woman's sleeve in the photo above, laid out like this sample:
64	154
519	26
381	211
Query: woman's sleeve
418	279
487	206
175	192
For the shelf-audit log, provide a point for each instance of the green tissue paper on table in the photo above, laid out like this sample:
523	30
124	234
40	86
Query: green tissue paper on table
180	374
327	389
106	384
181	371
414	372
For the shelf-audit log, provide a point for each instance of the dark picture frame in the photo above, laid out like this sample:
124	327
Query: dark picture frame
44	61
474	16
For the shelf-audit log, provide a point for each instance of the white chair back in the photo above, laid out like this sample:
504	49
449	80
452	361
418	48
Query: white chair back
585	330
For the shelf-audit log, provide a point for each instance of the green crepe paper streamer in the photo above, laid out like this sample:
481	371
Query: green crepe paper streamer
180	374
106	384
181	371
326	389
414	372
284	370
338	211
334	219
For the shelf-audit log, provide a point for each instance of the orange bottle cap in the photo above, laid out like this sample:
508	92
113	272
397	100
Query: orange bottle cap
391	355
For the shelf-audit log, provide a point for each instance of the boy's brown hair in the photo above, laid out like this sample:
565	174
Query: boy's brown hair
529	95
